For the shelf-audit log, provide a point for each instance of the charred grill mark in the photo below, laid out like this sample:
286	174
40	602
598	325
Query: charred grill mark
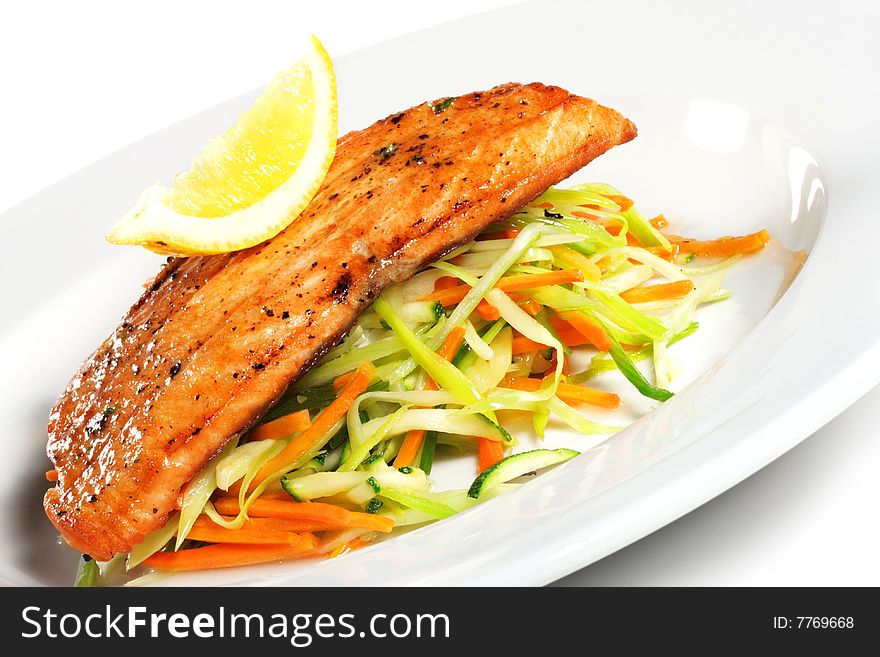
340	292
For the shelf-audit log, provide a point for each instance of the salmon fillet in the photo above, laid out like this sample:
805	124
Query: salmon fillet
214	341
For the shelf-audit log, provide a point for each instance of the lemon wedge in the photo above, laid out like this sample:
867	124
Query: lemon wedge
251	183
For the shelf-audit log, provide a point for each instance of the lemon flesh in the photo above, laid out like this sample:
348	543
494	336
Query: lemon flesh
252	182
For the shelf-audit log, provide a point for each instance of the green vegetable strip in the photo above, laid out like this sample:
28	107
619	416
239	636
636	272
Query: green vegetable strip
330	370
361	452
87	573
465	357
429	445
631	372
625	314
529	235
198	492
418	502
602	364
154	542
442	371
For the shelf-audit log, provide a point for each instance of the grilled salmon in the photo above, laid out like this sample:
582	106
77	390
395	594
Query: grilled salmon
214	341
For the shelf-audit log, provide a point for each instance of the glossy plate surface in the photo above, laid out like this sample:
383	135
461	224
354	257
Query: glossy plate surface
743	124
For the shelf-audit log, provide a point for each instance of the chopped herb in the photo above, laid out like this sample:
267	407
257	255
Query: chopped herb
406	469
442	105
110	410
552	215
385	152
374	506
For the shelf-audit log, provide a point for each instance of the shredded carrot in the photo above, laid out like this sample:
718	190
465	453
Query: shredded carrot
410	447
546	205
229	555
446	282
672	290
412	443
590	329
371	521
660	252
632	240
328	514
305	441
723	247
487	311
659	222
531	306
270	524
451	343
624	203
489	452
453	295
283	427
524	345
510	233
354	544
567	392
218	534
571	258
569	336
592	217
51	475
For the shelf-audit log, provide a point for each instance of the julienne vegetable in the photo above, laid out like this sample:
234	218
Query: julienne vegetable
432	371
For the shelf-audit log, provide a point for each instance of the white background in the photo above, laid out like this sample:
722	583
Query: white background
80	80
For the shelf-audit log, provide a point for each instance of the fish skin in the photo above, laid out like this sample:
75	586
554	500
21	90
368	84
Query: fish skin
214	341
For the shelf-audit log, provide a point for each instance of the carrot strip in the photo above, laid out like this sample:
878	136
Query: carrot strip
660	252
590	329
305	441
412	443
328	514
453	295
567	392
569	336
723	247
673	290
451	343
659	222
624	203
592	217
410	447
487	311
282	427
531	306
229	555
489	452
51	475
218	534
270	524
524	345
632	240
446	282
571	258
371	521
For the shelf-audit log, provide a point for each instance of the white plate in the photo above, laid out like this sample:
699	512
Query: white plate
748	116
